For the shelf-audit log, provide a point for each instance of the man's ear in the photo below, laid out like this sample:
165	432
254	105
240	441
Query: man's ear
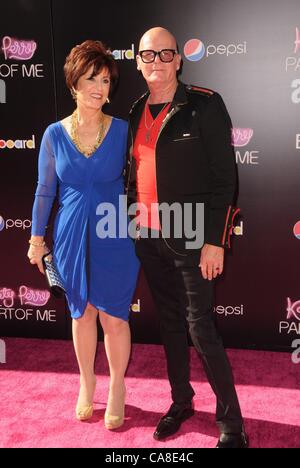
178	62
137	62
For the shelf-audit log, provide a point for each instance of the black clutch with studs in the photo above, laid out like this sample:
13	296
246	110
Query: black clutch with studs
53	278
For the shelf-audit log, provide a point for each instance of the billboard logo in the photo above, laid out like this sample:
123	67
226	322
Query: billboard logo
239	229
124	54
298	141
18	49
2	352
2	223
297	230
241	136
18	144
297	41
136	307
194	50
2	92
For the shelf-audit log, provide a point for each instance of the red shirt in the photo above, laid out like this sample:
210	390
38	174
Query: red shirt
144	153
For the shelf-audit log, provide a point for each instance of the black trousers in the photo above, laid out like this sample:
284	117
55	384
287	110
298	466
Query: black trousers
183	297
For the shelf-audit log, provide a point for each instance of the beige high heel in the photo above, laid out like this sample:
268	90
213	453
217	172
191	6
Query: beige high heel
113	422
85	412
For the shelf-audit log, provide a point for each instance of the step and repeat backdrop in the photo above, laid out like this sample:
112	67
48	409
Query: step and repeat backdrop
247	51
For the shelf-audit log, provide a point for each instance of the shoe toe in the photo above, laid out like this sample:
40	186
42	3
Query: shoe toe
166	427
171	422
233	441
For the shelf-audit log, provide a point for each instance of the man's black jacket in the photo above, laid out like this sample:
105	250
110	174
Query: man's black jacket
195	161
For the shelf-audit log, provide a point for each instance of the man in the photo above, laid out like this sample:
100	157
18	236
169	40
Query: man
181	153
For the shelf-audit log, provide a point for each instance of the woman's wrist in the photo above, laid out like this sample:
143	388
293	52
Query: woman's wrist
37	241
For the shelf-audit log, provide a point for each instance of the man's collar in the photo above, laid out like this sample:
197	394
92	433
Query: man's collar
180	97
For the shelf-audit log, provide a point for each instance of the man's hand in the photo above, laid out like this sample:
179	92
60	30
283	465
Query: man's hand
211	261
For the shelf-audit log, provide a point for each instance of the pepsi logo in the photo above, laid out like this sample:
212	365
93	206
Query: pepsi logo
194	50
2	224
297	230
15	224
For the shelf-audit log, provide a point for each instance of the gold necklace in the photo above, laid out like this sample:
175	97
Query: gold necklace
148	132
89	150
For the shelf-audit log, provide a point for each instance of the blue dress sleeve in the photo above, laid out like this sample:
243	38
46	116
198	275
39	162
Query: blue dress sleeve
46	188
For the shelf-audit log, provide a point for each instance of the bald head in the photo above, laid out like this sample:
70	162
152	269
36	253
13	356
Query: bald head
161	37
160	74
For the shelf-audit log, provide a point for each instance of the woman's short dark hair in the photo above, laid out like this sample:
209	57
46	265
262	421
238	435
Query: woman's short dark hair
86	55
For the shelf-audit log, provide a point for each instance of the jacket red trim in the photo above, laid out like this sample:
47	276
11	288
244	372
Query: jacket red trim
228	229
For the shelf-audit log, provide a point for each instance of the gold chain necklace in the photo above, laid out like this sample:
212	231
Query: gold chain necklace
89	150
149	128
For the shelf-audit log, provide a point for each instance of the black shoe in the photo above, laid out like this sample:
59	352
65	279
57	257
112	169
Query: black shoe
239	441
171	422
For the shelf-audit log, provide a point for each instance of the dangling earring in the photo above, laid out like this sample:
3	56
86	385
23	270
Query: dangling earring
107	101
74	94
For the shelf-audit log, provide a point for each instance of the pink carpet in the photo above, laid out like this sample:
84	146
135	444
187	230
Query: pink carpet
39	384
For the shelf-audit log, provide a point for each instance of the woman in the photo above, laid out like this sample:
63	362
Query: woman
85	154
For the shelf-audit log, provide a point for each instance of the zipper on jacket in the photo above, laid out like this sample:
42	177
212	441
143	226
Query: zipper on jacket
166	120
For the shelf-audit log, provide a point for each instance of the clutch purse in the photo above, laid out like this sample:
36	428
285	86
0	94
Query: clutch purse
53	278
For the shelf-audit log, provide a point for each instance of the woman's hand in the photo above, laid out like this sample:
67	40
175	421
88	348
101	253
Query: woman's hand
35	255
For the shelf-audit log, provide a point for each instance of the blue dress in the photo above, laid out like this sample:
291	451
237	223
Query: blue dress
92	250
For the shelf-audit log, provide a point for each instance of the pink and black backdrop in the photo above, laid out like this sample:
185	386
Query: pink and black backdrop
247	51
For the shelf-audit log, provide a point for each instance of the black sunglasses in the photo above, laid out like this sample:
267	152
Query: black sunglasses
165	55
